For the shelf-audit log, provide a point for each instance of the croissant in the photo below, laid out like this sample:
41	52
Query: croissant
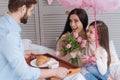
42	60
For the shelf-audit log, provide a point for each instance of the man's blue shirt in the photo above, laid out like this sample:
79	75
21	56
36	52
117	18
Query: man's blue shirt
12	62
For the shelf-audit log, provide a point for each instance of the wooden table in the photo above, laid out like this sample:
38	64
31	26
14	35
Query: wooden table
62	63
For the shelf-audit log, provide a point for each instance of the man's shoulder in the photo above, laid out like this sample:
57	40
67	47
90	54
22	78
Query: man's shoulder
3	29
3	22
2	18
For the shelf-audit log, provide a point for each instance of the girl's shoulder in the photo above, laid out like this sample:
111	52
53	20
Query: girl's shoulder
102	51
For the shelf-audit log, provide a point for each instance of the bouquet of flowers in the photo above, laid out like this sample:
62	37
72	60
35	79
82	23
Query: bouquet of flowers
73	42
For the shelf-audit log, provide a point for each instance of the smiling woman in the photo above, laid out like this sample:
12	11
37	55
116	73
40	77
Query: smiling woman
77	21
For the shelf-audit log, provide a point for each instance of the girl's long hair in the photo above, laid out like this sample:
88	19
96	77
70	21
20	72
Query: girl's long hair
103	37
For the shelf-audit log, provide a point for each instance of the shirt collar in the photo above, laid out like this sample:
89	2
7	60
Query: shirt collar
13	22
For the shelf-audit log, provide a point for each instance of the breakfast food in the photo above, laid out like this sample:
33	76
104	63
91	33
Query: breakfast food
42	60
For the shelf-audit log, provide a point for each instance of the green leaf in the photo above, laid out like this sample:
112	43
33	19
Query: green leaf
74	61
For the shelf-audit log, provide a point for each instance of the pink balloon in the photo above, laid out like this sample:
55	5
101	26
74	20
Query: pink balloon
50	1
104	5
71	3
101	5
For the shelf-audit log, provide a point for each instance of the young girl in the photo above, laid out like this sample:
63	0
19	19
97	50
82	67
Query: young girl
96	61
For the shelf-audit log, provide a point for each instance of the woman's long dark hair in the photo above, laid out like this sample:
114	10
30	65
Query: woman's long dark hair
103	37
83	17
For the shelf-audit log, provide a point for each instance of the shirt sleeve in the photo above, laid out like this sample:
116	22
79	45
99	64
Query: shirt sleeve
14	53
102	62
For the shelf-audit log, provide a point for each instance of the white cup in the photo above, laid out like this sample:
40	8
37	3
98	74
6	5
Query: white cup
53	64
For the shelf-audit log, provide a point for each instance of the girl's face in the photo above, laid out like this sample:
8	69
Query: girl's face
75	23
91	34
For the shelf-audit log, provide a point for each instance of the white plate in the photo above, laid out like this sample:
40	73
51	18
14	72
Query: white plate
33	63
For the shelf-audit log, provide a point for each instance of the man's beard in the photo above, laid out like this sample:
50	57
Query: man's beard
24	18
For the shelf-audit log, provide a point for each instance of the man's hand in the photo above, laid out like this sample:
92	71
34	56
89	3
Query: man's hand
61	72
28	53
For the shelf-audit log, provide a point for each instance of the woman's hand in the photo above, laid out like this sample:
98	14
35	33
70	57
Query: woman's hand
83	58
74	53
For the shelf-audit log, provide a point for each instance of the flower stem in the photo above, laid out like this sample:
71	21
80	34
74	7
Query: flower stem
74	61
